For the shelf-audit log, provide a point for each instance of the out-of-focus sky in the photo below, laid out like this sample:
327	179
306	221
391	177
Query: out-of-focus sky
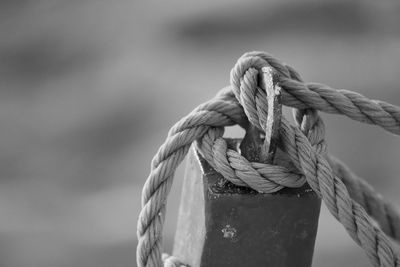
88	90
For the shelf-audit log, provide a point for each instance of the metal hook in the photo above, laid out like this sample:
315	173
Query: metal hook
251	146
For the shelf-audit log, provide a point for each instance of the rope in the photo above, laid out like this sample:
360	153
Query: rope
383	212
360	191
307	154
302	95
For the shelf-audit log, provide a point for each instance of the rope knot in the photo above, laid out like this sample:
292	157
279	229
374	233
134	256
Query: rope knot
251	93
304	144
259	96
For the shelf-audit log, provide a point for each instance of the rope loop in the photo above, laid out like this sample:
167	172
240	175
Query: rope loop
262	177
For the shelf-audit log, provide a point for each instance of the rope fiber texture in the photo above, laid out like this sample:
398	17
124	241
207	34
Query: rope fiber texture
370	221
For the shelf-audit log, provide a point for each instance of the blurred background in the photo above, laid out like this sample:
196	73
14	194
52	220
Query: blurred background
89	89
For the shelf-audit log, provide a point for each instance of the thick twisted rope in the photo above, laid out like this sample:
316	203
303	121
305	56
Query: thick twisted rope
386	215
302	95
360	191
222	111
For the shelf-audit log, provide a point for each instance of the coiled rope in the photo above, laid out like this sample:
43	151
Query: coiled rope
370	221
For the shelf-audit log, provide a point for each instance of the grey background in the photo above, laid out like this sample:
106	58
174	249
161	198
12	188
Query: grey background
88	90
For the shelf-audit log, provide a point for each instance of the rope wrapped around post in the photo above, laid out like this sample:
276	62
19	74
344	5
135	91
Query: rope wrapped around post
245	102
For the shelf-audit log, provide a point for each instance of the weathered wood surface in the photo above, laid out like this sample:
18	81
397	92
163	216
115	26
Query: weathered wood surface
221	224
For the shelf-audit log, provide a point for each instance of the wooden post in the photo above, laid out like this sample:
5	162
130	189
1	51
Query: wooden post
221	224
